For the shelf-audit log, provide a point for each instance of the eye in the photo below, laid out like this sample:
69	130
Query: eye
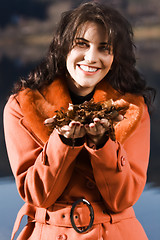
105	48
81	44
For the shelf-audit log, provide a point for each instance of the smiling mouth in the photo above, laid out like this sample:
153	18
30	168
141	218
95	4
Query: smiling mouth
88	69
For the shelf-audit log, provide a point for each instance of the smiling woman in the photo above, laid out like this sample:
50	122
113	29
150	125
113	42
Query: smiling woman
89	60
86	191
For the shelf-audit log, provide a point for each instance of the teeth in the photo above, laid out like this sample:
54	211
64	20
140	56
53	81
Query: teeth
88	69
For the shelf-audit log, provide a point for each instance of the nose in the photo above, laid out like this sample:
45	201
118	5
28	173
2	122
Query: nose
91	55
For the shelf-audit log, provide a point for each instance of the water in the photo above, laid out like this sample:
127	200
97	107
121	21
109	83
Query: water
10	203
147	209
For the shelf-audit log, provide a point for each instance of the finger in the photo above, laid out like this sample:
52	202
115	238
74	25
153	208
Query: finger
89	127
74	128
58	130
79	131
67	134
119	118
92	129
65	128
49	121
77	128
100	128
75	132
105	123
92	125
74	123
96	120
98	124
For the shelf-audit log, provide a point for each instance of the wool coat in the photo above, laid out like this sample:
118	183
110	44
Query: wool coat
51	175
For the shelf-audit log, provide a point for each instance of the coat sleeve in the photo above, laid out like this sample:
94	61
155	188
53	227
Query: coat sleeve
120	169
41	171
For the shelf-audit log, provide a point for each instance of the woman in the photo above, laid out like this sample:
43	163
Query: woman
85	192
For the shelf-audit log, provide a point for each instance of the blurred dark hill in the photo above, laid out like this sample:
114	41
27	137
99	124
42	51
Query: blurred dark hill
16	70
26	29
11	11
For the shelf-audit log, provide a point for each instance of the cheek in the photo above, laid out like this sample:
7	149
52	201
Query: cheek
109	60
108	63
71	61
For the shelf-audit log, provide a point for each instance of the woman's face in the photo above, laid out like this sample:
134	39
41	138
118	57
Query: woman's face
89	60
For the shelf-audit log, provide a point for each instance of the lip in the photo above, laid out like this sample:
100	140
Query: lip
86	72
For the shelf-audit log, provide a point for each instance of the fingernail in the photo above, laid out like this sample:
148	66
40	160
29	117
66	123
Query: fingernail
96	120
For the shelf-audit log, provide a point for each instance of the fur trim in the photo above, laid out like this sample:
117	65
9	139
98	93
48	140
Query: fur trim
37	106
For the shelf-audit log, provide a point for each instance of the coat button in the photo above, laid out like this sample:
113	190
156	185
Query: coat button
123	161
62	237
90	185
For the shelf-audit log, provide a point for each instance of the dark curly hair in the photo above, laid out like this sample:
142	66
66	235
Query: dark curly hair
123	75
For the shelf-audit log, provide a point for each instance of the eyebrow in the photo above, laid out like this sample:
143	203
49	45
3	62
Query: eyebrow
83	39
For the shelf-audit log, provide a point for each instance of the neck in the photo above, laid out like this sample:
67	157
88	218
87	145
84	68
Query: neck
79	90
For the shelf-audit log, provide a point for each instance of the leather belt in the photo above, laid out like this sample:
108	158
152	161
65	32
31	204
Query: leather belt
60	215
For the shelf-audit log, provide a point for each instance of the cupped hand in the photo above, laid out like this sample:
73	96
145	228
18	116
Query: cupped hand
98	127
96	130
74	130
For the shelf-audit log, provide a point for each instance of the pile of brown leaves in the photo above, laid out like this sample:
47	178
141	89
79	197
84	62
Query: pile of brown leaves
86	112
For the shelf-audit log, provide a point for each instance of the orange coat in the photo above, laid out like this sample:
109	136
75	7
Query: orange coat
50	175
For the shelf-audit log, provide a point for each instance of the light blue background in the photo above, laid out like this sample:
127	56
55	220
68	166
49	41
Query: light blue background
147	209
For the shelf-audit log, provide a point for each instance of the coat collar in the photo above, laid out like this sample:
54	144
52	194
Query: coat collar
36	106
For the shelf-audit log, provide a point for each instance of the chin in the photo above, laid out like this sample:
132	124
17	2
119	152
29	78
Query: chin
86	86
87	83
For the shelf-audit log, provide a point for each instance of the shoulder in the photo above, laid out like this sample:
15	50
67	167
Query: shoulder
12	107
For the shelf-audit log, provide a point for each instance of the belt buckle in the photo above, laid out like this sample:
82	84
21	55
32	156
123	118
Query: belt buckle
86	202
